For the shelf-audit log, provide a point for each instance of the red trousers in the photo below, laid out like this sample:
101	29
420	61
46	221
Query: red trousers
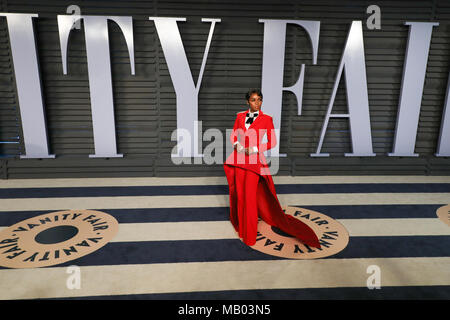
253	196
247	210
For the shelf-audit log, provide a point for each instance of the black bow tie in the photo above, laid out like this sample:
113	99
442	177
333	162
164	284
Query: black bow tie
250	119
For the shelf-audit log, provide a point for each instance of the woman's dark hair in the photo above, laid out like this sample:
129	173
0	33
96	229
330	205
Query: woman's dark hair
252	91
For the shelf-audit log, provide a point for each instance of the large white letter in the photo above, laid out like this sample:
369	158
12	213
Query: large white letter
353	62
443	148
99	69
28	81
273	67
180	73
416	57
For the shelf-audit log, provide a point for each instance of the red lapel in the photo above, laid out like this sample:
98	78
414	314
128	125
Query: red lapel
242	124
260	115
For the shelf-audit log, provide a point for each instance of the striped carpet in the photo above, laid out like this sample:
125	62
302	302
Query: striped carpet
175	240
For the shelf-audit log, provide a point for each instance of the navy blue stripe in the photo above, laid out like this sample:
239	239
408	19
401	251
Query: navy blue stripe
116	253
222	213
136	215
111	191
359	293
18	193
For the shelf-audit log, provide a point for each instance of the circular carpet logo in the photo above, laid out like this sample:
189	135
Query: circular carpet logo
332	235
54	238
443	214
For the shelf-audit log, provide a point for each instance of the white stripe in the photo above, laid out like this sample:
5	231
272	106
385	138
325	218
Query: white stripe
210	230
364	198
200	201
219	276
218	180
168	231
395	227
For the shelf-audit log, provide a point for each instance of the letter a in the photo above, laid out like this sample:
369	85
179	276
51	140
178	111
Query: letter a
353	62
443	149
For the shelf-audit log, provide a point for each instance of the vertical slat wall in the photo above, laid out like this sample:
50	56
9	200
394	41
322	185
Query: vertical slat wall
145	105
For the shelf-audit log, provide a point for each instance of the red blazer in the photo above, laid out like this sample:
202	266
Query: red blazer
261	126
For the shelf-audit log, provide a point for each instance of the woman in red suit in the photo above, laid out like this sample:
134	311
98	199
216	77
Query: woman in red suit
251	188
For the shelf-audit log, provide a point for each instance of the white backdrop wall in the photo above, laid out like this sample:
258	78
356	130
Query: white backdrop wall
145	111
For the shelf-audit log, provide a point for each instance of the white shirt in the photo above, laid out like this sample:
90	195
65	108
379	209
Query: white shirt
250	115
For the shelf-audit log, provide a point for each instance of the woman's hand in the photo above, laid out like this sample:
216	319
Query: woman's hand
249	151
238	147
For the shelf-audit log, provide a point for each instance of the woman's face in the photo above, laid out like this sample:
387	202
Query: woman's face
254	102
